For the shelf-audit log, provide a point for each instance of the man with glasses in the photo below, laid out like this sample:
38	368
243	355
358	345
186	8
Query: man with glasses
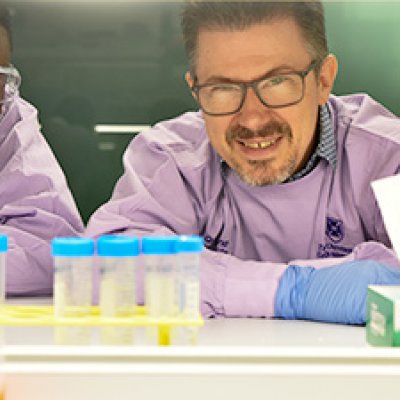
274	172
35	202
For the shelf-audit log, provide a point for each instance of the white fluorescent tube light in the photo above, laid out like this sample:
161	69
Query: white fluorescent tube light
120	129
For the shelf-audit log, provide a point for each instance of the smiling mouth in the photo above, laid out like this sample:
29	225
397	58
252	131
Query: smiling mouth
259	145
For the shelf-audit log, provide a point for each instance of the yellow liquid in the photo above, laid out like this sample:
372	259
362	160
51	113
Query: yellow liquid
3	387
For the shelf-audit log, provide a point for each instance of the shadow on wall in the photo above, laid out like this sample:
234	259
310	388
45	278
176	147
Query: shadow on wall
69	131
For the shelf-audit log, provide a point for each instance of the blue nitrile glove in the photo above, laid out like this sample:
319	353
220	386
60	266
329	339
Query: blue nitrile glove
333	294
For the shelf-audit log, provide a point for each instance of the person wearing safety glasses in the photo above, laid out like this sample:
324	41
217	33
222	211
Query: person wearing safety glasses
35	202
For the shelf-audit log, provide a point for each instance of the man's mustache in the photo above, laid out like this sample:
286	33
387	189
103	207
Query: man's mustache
271	128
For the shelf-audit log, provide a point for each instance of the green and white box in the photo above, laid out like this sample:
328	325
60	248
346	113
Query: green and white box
383	315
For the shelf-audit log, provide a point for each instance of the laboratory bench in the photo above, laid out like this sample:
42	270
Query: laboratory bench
234	359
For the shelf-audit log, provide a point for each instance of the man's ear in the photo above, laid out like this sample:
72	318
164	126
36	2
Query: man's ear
327	75
189	80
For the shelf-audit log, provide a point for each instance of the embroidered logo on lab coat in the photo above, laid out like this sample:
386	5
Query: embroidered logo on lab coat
334	229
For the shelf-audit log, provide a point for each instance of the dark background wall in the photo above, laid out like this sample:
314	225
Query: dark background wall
87	63
366	38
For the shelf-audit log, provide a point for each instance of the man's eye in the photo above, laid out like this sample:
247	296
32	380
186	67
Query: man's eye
274	81
223	88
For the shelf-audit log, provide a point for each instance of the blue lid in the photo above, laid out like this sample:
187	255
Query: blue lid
159	244
118	246
3	243
72	246
189	244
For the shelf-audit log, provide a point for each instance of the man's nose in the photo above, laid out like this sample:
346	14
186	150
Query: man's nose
253	115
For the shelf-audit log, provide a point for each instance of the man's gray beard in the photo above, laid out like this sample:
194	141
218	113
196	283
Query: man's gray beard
268	130
256	179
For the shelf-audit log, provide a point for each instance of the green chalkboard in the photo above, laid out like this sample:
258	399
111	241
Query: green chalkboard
365	36
89	63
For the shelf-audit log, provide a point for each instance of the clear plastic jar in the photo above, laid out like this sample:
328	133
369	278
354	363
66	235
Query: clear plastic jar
189	249
3	251
73	276
117	256
159	259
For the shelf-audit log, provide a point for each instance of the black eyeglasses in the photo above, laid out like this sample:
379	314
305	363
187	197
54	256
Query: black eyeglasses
275	91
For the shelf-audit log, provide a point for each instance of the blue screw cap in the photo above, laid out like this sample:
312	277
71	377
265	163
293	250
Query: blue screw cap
3	243
190	244
160	245
118	246
72	247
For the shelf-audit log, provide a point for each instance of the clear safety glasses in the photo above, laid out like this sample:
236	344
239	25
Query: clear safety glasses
10	81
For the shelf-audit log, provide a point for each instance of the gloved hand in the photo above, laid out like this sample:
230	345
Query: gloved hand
333	294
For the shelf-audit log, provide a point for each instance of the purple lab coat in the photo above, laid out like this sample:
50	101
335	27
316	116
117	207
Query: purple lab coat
174	184
35	202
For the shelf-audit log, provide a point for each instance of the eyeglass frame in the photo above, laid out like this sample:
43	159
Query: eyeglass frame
253	84
10	71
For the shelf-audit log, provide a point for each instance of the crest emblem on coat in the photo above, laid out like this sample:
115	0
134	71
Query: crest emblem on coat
334	229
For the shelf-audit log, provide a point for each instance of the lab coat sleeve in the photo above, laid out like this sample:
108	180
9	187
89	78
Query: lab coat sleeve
231	287
235	288
35	205
150	198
